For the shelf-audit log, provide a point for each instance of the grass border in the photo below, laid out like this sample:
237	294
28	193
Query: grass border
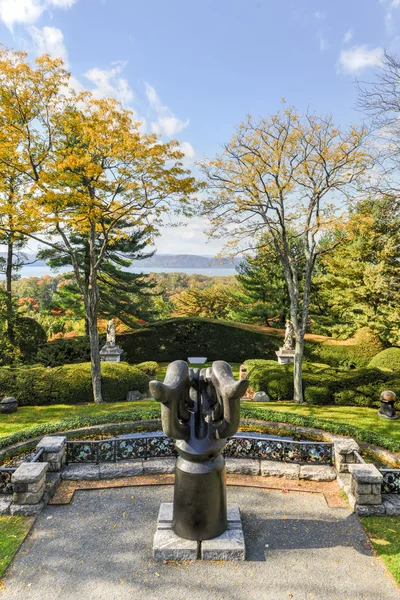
247	412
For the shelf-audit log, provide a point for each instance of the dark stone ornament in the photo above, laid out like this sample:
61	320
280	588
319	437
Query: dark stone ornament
387	409
200	409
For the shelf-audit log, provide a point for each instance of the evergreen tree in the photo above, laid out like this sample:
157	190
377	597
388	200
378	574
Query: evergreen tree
123	294
359	284
263	288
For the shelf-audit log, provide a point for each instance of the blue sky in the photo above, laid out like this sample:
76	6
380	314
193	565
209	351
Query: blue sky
192	69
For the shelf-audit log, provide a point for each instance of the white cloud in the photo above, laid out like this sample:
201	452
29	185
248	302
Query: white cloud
27	12
187	149
62	3
49	40
358	58
108	83
166	123
319	15
348	36
22	12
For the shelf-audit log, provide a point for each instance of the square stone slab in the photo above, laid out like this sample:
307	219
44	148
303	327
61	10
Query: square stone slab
228	546
54	443
169	546
29	472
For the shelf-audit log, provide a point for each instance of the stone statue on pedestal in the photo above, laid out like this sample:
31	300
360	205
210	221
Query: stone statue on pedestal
286	353
110	352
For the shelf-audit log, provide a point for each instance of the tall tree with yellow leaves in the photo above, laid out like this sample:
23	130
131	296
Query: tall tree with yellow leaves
92	172
286	175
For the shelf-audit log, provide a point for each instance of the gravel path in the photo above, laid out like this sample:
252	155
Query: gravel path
100	546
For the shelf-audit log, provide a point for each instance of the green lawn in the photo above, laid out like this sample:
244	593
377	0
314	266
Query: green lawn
366	418
384	533
359	416
12	533
26	416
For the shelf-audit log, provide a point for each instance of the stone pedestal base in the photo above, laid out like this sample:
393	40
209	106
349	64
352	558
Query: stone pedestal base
110	353
169	546
285	357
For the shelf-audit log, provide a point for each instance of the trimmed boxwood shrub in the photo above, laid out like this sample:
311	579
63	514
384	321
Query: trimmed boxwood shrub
314	394
150	367
70	384
388	359
63	352
322	384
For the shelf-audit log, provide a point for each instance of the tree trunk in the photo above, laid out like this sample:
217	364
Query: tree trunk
95	359
9	303
298	368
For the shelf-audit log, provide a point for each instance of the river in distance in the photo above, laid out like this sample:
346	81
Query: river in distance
40	270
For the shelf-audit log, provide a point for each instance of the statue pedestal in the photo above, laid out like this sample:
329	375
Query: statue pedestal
111	353
167	545
285	356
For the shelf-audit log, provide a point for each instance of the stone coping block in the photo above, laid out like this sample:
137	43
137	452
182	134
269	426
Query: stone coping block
29	472
52	444
280	469
243	466
369	510
345	446
317	472
120	469
155	466
76	472
365	473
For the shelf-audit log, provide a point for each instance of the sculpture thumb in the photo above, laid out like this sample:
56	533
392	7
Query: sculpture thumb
158	390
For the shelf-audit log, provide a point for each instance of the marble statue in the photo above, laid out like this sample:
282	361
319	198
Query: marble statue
110	336
288	343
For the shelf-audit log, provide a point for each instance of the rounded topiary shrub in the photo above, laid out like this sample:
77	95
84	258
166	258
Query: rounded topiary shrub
317	395
70	384
150	367
388	359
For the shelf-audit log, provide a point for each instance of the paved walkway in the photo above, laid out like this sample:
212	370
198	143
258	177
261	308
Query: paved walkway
100	546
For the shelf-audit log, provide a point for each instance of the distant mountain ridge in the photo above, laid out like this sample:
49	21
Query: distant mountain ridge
187	261
169	261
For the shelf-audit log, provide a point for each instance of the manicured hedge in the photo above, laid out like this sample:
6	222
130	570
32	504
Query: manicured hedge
78	422
70	384
388	359
322	384
179	338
